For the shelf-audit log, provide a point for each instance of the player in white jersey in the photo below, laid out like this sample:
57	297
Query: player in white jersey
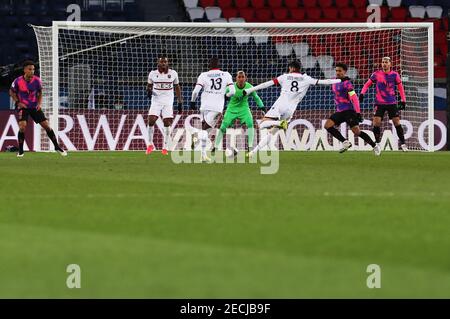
294	86
160	87
214	84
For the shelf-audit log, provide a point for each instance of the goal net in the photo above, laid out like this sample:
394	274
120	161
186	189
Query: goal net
95	75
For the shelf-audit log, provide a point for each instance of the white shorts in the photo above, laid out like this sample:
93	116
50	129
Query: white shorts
165	111
281	110
210	117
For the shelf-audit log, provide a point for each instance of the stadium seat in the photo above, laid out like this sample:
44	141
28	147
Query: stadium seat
376	2
96	5
275	3
224	4
293	4
236	20
399	14
284	49
325	3
213	13
347	14
309	3
301	49
280	14
313	13
242	4
247	13
298	14
260	37
434	12
440	72
361	14
229	13
445	23
442	48
440	37
331	14
207	3
308	62
257	4
196	13
439	60
342	3
359	3
417	11
263	15
190	3
394	3
352	73
240	38
113	6
325	61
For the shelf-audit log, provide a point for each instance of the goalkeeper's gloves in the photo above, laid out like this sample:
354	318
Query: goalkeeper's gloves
345	79
361	98
180	107
401	105
359	117
193	106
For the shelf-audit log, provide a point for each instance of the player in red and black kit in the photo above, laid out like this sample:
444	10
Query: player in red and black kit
386	101
26	92
347	110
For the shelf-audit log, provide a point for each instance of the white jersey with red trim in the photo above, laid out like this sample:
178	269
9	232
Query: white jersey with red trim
294	86
163	84
214	84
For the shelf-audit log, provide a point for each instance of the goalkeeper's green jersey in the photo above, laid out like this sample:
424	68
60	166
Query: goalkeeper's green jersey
239	102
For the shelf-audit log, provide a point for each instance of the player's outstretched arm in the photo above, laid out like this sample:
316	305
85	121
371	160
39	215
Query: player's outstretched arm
259	87
367	85
328	81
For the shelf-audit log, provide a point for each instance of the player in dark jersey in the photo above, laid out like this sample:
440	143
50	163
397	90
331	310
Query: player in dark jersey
386	101
347	110
26	92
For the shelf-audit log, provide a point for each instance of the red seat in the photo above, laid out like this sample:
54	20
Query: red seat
331	14
275	3
384	13
439	60
347	14
247	13
440	37
257	4
241	3
445	23
313	13
361	14
280	14
291	3
224	4
399	14
229	13
342	3
263	15
309	3
298	14
359	3
207	3
443	48
440	72
325	3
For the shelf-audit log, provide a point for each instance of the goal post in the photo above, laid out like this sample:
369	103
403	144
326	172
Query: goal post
94	76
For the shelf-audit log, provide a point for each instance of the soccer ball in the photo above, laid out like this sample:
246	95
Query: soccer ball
228	152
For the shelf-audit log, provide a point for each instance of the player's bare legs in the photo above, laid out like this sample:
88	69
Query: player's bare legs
400	133
272	125
151	129
51	135
357	131
203	137
21	137
167	124
330	127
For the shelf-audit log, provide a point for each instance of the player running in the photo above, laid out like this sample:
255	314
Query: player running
347	110
214	83
238	108
294	86
26	92
386	100
161	83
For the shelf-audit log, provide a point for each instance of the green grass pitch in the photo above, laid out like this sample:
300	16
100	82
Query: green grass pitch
144	227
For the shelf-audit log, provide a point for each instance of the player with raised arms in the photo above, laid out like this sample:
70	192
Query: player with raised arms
294	86
238	108
386	81
214	83
160	87
26	92
347	110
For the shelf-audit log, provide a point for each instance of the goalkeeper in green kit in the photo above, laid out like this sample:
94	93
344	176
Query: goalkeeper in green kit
238	108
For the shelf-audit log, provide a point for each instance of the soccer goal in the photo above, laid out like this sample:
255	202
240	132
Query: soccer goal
95	73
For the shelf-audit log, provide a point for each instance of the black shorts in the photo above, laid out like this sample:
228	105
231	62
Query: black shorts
37	115
350	117
392	110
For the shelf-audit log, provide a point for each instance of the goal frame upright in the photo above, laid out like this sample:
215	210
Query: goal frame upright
375	26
